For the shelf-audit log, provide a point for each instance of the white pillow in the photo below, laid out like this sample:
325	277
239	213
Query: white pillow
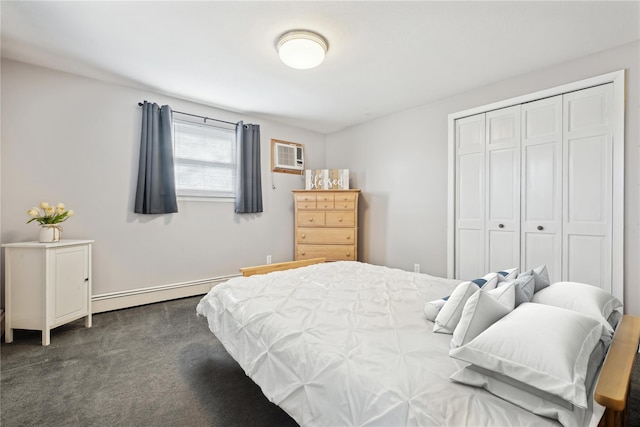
505	294
524	287
510	273
519	394
541	277
482	310
580	297
543	346
488	281
530	398
449	316
432	308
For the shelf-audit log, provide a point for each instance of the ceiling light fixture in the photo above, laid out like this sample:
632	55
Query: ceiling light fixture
302	49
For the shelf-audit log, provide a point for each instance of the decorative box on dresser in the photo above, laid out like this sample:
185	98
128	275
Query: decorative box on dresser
326	224
46	285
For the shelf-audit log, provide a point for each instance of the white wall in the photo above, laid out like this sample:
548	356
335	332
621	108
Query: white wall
75	140
400	163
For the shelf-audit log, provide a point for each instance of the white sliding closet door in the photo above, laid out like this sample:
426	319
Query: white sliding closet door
470	142
588	186
502	237
541	220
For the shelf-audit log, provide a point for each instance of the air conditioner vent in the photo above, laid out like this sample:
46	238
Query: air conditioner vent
287	156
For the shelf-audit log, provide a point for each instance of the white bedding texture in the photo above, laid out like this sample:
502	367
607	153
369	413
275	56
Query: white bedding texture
349	344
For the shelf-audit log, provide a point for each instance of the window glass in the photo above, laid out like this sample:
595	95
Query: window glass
205	160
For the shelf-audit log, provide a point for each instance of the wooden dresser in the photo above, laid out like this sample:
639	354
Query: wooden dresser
326	224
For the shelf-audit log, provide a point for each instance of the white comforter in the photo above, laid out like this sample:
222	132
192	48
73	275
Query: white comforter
347	344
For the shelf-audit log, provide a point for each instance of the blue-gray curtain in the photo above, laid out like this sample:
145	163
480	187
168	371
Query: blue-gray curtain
156	190
248	179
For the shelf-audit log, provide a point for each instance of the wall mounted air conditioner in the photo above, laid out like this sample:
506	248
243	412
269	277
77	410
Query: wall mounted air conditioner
287	156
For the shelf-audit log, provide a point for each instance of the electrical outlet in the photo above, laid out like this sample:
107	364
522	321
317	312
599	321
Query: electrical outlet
416	268
268	259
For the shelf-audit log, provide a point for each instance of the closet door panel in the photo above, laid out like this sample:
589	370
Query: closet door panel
588	181
470	146
502	223
587	259
470	254
541	197
501	250
540	248
502	186
588	186
470	190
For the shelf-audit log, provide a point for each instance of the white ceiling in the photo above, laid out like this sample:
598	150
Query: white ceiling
383	57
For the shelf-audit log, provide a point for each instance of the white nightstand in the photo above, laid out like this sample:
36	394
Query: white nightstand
46	285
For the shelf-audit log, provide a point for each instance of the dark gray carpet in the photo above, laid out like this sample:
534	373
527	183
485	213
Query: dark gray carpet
156	365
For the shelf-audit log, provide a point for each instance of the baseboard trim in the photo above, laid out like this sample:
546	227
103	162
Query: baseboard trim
135	297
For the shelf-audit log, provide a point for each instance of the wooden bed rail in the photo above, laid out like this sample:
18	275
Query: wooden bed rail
612	390
268	268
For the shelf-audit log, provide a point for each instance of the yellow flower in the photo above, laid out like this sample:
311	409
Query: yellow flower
48	214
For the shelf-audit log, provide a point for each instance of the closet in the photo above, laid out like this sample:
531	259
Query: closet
537	183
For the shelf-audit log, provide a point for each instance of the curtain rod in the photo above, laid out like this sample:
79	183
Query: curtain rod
195	115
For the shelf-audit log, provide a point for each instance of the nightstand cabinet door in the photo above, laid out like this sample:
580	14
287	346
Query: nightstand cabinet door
69	287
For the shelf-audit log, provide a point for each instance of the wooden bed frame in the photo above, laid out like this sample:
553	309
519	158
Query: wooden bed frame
612	390
268	268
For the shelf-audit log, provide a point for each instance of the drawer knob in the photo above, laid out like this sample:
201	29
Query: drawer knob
348	236
306	206
310	219
303	253
304	236
326	206
340	219
348	253
540	228
501	225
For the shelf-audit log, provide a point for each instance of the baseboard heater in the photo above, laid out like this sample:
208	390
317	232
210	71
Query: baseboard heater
135	297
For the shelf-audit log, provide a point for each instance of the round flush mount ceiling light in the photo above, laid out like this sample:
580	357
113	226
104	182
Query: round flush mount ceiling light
302	49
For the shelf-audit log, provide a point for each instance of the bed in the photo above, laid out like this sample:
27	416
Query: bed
349	343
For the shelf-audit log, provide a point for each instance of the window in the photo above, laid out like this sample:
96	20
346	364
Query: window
205	160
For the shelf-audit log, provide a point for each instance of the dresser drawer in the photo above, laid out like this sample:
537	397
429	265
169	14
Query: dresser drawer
345	205
339	236
330	252
345	197
340	219
305	204
307	197
311	219
325	197
326	204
